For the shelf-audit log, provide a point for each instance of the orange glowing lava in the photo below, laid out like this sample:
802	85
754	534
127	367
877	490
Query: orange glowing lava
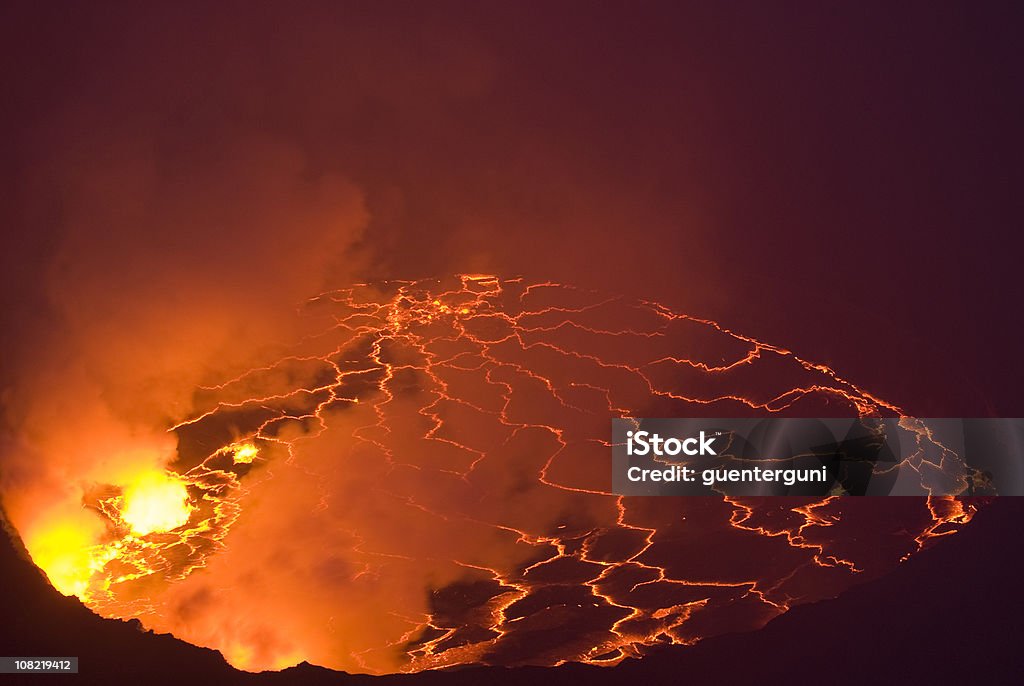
424	481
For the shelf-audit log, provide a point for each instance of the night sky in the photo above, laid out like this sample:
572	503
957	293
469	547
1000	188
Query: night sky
840	180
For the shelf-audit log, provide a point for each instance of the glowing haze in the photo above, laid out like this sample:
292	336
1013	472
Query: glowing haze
422	480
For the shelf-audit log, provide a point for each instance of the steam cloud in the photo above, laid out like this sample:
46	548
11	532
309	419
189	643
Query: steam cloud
163	275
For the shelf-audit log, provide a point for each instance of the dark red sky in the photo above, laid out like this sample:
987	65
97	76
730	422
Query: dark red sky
841	180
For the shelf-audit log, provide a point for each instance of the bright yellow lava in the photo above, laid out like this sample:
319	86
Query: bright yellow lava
72	546
65	552
155	502
244	453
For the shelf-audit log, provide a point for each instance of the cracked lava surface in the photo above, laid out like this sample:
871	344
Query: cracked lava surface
423	480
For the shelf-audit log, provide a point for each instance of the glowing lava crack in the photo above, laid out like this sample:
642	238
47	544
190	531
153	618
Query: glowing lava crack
424	481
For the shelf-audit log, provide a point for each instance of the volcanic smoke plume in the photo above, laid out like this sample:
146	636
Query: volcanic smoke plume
418	475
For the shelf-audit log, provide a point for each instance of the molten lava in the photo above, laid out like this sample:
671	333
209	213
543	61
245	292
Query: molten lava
155	502
65	552
244	454
424	481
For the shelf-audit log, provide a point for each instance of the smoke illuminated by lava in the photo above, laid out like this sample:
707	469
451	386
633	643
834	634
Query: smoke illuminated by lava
422	479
